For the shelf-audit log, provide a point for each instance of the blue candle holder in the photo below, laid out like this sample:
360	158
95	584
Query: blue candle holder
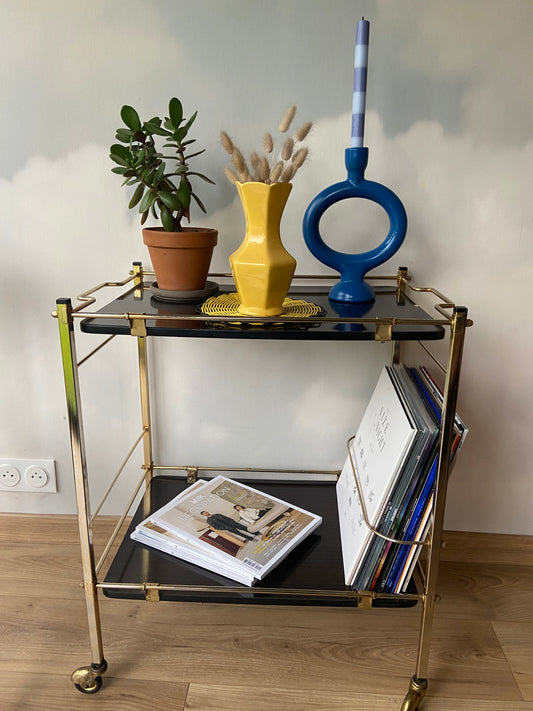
352	267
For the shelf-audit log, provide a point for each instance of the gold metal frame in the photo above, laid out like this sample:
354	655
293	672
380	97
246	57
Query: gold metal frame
88	679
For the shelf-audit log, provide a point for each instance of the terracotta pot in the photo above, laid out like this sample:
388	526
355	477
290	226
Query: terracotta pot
261	266
180	260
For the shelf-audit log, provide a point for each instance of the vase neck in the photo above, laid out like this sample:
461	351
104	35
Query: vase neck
263	204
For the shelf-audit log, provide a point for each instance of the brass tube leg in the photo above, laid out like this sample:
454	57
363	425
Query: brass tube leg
451	387
142	357
145	405
147	439
70	373
400	298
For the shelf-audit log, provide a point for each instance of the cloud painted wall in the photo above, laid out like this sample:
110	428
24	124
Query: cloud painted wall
449	117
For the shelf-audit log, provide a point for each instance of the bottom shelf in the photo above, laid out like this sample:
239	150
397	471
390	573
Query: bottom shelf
312	574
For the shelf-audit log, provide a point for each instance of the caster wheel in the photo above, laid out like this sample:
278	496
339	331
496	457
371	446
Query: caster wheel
96	686
87	680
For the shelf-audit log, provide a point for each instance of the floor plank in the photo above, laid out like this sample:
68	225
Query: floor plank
209	697
48	528
491	591
47	691
516	640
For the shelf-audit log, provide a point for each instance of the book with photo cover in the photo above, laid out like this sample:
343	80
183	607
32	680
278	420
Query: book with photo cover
228	527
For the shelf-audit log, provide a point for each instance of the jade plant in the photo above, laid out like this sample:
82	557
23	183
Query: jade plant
165	192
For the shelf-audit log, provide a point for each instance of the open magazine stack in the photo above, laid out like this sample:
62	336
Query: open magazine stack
395	456
228	528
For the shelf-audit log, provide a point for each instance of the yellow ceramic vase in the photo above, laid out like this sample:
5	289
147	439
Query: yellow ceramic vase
262	268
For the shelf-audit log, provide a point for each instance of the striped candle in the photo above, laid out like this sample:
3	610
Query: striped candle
359	83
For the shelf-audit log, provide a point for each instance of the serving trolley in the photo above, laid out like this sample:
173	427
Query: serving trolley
313	572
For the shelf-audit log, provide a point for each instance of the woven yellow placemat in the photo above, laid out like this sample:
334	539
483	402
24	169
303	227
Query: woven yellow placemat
228	305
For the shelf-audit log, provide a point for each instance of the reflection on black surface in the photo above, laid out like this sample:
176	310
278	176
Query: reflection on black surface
345	310
385	305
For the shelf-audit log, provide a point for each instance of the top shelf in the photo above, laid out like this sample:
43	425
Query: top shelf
386	318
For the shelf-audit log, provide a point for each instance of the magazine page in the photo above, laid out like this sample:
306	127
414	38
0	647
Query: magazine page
236	522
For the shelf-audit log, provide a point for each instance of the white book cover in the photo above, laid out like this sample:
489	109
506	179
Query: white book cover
151	535
236	523
379	449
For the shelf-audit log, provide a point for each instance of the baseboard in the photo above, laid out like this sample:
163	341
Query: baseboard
468	547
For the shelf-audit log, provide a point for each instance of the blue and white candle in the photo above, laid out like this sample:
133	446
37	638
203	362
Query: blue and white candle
359	83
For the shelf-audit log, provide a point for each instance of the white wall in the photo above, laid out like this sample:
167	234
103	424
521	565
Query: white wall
448	128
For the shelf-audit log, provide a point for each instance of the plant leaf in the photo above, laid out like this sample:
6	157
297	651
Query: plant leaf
119	160
140	157
200	203
131	118
171	200
119	171
203	177
166	219
175	112
144	217
146	201
124	135
159	173
148	175
119	150
193	155
154	128
190	122
179	134
167	185
184	194
137	195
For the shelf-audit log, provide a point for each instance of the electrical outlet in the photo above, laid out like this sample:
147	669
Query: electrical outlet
9	475
39	475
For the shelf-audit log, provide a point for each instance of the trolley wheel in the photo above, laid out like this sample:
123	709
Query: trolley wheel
96	686
87	680
415	695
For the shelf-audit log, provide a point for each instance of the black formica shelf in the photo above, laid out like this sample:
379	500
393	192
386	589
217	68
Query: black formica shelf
315	565
385	306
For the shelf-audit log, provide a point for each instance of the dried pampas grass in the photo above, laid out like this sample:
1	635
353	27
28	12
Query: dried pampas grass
271	167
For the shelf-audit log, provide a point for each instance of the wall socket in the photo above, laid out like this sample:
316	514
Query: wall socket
36	475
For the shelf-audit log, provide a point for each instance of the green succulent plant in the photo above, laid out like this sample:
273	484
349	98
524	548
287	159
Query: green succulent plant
164	192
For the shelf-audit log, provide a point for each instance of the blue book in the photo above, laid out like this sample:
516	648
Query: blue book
425	498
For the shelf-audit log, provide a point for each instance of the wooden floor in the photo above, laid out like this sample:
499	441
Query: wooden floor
173	656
